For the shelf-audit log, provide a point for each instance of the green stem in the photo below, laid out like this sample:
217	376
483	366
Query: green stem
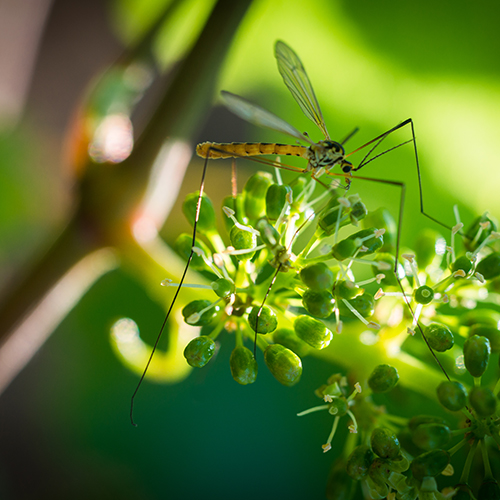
457	447
238	338
218	329
459	432
466	470
312	410
487	467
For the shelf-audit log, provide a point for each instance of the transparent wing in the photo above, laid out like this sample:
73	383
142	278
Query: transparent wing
297	81
259	116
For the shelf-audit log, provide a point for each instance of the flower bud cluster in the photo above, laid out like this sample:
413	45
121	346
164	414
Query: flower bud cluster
295	270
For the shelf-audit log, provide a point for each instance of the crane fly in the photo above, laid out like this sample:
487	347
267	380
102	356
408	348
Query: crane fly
321	156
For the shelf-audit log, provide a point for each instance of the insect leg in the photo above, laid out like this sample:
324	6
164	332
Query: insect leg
368	158
197	215
275	276
402	188
259	312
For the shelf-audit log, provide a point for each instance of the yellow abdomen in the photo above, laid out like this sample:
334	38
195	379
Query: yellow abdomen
215	150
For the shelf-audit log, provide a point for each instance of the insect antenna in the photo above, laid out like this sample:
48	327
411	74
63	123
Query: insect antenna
349	135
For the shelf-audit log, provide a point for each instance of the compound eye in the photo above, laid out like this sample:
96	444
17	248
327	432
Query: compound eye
346	168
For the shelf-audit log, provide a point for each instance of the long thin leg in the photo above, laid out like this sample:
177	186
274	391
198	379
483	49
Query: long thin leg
402	187
197	216
275	276
259	312
378	140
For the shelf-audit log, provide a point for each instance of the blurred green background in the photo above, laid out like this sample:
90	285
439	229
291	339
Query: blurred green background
65	429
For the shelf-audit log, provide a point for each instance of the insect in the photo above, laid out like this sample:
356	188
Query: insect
322	157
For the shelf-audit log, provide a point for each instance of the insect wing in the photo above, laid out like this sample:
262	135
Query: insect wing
296	79
259	116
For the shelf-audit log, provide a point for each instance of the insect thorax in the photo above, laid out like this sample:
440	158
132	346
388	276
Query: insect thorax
326	154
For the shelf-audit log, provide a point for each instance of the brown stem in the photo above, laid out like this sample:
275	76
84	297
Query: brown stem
109	196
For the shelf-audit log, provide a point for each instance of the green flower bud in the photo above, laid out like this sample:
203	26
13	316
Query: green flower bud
276	197
472	231
364	304
241	240
312	331
317	276
270	237
223	288
192	316
267	320
183	245
339	486
243	365
480	317
254	194
358	210
426	245
378	476
489	267
331	388
318	303
288	338
199	351
384	443
345	289
229	202
492	333
206	221
383	378
237	205
439	337
399	463
424	419
431	436
284	364
452	395
431	464
476	355
329	218
483	401
334	216
423	295
298	190
463	263
344	249
372	244
338	407
359	462
489	490
383	219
